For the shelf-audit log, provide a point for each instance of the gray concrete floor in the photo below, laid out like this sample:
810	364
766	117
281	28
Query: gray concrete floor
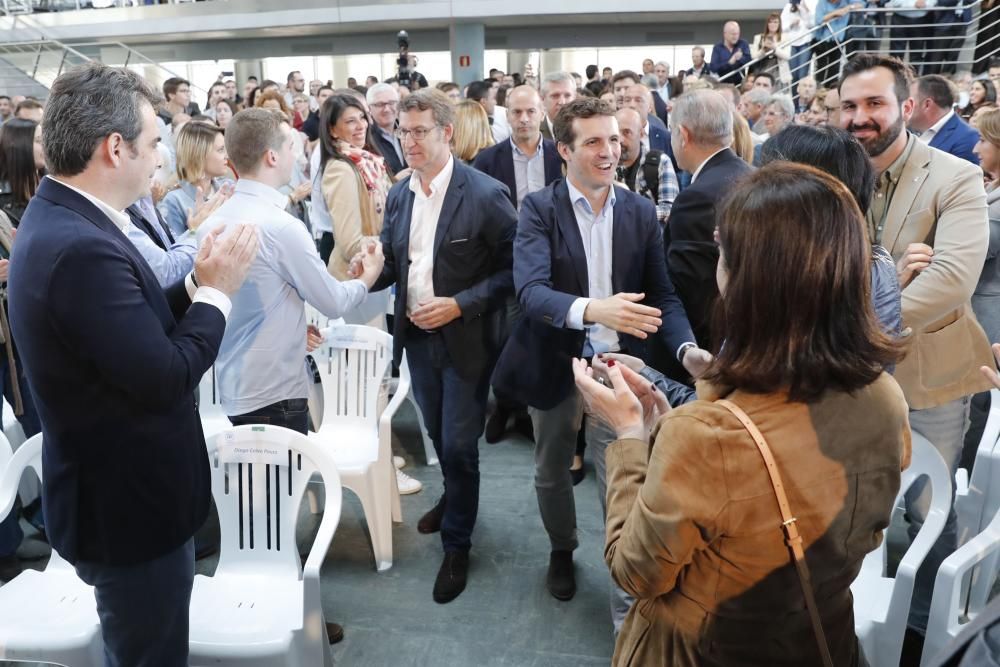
504	617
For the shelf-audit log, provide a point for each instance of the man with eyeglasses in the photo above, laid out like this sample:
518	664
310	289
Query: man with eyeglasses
448	243
383	100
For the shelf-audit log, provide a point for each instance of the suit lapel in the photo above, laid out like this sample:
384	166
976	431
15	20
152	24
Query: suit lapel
505	170
914	174
946	130
569	230
452	199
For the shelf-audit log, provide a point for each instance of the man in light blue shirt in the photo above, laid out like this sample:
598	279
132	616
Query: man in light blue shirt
260	364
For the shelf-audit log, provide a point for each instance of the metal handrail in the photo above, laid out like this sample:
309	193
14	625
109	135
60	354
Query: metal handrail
842	44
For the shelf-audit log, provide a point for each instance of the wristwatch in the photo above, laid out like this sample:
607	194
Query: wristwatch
683	350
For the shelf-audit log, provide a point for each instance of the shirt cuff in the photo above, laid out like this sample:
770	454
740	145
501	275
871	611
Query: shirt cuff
574	318
209	295
213	297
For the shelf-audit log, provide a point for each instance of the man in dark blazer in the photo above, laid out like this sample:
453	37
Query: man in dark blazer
447	239
524	113
935	120
113	361
590	278
525	163
383	101
701	131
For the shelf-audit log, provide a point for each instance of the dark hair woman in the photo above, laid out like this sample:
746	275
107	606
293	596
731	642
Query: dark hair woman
981	92
702	548
355	181
22	165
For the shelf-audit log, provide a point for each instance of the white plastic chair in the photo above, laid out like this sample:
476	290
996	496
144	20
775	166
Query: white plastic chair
881	602
353	363
30	487
262	608
48	616
965	580
213	419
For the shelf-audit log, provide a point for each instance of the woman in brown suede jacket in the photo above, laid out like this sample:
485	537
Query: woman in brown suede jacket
693	527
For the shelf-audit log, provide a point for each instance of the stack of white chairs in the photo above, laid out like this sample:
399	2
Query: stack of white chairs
882	602
354	362
966	578
262	608
48	616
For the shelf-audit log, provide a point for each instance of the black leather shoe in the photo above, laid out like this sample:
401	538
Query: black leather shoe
523	425
451	577
334	632
496	426
577	475
561	581
913	648
10	567
431	521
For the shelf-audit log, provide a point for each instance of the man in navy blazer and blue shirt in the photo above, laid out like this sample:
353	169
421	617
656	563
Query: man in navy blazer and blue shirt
935	120
113	361
447	242
590	278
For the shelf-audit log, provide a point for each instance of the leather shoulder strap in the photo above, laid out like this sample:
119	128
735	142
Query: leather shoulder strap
788	525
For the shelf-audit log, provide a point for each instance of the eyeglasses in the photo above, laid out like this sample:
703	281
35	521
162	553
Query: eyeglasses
383	105
417	133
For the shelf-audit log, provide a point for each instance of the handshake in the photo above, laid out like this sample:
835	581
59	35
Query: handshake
367	264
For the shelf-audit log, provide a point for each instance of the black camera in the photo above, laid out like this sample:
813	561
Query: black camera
403	61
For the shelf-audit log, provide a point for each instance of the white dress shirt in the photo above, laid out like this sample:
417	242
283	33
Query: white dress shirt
500	127
423	225
596	234
932	131
263	351
529	170
203	294
319	214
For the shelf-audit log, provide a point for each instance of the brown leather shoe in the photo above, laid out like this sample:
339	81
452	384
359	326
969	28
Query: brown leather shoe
334	632
431	521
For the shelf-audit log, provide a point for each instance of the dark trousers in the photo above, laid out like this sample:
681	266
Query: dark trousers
292	413
987	38
325	246
909	32
949	38
827	63
143	608
10	532
454	411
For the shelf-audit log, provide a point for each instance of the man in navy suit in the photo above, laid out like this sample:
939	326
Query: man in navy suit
935	120
701	132
113	361
447	240
590	277
525	163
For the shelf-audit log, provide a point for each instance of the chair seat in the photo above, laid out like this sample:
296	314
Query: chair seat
244	614
353	443
33	600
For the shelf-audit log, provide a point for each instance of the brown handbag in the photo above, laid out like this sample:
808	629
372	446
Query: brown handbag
792	537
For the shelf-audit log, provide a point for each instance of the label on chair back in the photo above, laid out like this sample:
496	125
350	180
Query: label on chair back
342	341
231	451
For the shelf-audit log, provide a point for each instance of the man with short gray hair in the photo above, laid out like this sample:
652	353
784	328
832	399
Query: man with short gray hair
113	361
752	106
383	101
558	90
701	131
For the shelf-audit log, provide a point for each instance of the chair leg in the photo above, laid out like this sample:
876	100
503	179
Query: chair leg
375	501
397	509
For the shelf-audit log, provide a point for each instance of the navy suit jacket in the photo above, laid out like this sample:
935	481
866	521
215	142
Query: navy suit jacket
388	152
957	138
689	245
498	162
550	273
113	362
473	244
659	136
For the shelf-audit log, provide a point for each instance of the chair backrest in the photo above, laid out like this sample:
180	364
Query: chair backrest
259	474
979	504
353	362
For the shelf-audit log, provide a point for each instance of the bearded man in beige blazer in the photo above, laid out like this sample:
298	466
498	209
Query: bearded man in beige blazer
929	211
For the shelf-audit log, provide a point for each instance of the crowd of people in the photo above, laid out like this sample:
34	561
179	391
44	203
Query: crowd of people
639	267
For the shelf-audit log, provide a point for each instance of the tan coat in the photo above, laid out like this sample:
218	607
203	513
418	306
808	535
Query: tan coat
351	209
694	531
940	201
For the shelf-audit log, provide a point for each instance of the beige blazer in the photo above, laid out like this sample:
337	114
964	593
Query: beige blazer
940	200
352	212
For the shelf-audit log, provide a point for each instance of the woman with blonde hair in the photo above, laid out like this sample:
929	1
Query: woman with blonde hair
202	168
742	141
472	131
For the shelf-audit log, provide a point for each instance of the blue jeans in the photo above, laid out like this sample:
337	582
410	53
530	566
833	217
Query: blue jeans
799	64
454	411
944	426
292	413
143	608
10	532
